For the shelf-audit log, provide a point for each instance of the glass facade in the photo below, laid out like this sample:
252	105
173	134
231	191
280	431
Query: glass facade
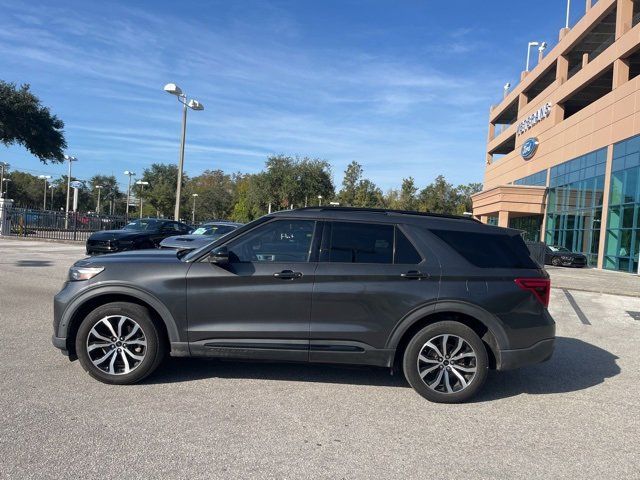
623	222
529	224
538	179
574	204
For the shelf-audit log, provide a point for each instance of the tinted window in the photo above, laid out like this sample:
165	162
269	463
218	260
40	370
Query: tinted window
488	250
361	243
277	241
405	251
143	225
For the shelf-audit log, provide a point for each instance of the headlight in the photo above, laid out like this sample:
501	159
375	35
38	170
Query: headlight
83	273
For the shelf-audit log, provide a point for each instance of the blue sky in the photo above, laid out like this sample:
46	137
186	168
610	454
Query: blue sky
403	87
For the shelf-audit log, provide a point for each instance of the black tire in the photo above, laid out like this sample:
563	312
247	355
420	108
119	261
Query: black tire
556	262
155	348
474	380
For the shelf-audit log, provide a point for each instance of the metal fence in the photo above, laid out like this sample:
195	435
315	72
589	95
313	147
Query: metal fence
75	226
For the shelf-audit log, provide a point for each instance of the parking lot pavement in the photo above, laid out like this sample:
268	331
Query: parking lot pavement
575	416
594	280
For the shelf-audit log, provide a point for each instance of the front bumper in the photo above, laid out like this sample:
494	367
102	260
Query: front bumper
60	343
521	357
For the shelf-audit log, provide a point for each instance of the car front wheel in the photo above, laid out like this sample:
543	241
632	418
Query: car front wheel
118	343
446	362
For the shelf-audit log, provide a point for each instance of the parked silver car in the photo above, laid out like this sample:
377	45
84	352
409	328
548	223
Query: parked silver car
206	233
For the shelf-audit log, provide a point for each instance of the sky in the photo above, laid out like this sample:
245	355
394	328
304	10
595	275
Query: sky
403	87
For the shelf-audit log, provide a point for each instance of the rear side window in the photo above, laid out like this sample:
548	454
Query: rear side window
361	243
406	253
488	250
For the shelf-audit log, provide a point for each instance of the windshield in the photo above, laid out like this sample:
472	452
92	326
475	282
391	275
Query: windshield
143	225
559	249
213	230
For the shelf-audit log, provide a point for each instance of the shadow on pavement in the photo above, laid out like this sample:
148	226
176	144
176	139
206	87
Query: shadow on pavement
34	263
576	365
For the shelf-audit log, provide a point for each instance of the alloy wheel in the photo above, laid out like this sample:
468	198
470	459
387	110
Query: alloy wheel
447	363
116	344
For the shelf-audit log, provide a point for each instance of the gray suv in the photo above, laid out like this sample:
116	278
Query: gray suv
442	299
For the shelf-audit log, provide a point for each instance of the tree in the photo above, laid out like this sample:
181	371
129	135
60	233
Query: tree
408	199
23	120
109	193
352	177
161	191
216	194
464	193
313	178
368	195
438	197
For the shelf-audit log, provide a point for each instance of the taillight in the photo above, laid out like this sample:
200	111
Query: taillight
540	287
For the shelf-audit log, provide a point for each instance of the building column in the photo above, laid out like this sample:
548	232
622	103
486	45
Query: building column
5	218
605	206
503	218
585	59
492	131
624	17
562	69
543	226
484	218
620	72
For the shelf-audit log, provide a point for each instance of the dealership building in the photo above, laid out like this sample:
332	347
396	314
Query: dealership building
563	150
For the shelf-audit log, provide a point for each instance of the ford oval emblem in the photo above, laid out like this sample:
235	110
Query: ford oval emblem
529	148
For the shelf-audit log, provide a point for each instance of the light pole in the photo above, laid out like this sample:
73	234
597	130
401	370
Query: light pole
319	200
52	187
193	211
173	89
566	23
142	184
99	188
130	174
44	197
529	45
506	88
69	159
5	181
3	165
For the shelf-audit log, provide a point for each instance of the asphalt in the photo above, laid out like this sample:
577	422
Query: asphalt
575	416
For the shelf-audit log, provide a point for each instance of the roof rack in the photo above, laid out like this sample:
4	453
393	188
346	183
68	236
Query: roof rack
389	211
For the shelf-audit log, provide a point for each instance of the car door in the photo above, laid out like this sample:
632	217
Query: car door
258	305
369	277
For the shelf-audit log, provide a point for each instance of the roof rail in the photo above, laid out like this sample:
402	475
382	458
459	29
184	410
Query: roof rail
389	211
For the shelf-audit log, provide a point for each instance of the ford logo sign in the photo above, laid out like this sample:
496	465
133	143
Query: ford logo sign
529	148
76	184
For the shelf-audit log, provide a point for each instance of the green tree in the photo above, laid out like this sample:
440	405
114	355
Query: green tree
313	178
25	121
161	191
352	177
368	195
408	199
464	193
109	193
216	194
438	197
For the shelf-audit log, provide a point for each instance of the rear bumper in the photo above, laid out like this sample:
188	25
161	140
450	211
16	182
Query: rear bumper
537	353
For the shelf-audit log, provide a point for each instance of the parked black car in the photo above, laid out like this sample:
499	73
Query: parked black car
562	256
136	235
442	299
201	236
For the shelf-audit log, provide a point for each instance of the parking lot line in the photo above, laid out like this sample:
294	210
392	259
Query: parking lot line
576	308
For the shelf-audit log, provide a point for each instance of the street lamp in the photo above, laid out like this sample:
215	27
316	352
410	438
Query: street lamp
174	89
99	188
529	45
69	159
3	166
142	184
193	212
506	88
46	179
319	200
131	174
5	181
52	187
541	49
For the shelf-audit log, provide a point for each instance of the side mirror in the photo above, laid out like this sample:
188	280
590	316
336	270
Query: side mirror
220	256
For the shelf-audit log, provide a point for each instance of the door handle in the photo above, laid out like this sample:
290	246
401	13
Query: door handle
287	275
414	275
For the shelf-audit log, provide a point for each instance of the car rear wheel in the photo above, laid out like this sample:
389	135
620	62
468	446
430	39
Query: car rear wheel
556	261
446	362
118	343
